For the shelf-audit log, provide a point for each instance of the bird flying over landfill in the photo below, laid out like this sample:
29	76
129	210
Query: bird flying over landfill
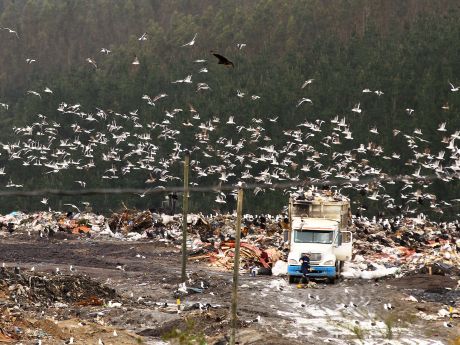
222	59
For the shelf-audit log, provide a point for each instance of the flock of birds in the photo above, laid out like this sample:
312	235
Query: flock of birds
118	144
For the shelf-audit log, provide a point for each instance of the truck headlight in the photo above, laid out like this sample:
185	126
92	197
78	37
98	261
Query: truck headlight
292	262
329	263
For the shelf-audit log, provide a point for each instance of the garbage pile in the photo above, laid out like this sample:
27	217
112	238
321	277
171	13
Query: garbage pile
32	304
402	246
381	247
48	223
28	288
214	241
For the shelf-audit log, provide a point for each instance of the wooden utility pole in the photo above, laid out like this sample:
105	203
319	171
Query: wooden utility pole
184	215
236	265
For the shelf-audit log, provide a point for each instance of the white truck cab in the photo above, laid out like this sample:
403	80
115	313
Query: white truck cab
318	227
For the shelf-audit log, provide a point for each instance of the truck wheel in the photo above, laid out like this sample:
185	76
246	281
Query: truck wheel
332	280
291	279
339	271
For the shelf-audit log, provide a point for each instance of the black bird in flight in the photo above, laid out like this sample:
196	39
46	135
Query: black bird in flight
223	60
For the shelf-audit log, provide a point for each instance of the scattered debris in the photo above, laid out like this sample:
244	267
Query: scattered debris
382	247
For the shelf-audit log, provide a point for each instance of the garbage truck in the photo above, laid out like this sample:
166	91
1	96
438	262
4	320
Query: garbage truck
318	226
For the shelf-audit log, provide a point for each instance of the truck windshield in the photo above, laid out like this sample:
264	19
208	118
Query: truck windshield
312	236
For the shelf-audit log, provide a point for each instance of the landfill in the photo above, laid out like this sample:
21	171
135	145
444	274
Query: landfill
402	248
381	247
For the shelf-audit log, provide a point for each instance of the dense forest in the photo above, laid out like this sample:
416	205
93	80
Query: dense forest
106	56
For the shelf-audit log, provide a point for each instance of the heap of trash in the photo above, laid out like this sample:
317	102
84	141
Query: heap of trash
381	247
403	245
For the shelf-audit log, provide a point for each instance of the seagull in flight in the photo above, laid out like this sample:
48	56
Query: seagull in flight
11	31
303	100
442	127
92	62
143	37
306	82
191	43
409	111
34	93
453	88
220	198
81	183
357	109
136	60
105	51
75	207
374	196
47	90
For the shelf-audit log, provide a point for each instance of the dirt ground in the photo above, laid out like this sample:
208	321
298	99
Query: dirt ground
131	288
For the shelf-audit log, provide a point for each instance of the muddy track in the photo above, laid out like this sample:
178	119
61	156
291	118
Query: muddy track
270	310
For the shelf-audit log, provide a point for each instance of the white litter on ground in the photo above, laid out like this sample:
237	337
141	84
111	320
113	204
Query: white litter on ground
280	268
360	270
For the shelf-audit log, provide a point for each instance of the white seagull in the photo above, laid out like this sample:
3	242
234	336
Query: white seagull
306	82
304	100
357	109
409	111
442	127
453	88
35	93
191	43
11	31
92	62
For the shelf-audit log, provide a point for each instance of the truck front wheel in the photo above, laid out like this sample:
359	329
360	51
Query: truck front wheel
338	270
291	279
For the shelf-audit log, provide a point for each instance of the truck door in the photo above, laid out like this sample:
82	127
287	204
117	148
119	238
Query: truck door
343	249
